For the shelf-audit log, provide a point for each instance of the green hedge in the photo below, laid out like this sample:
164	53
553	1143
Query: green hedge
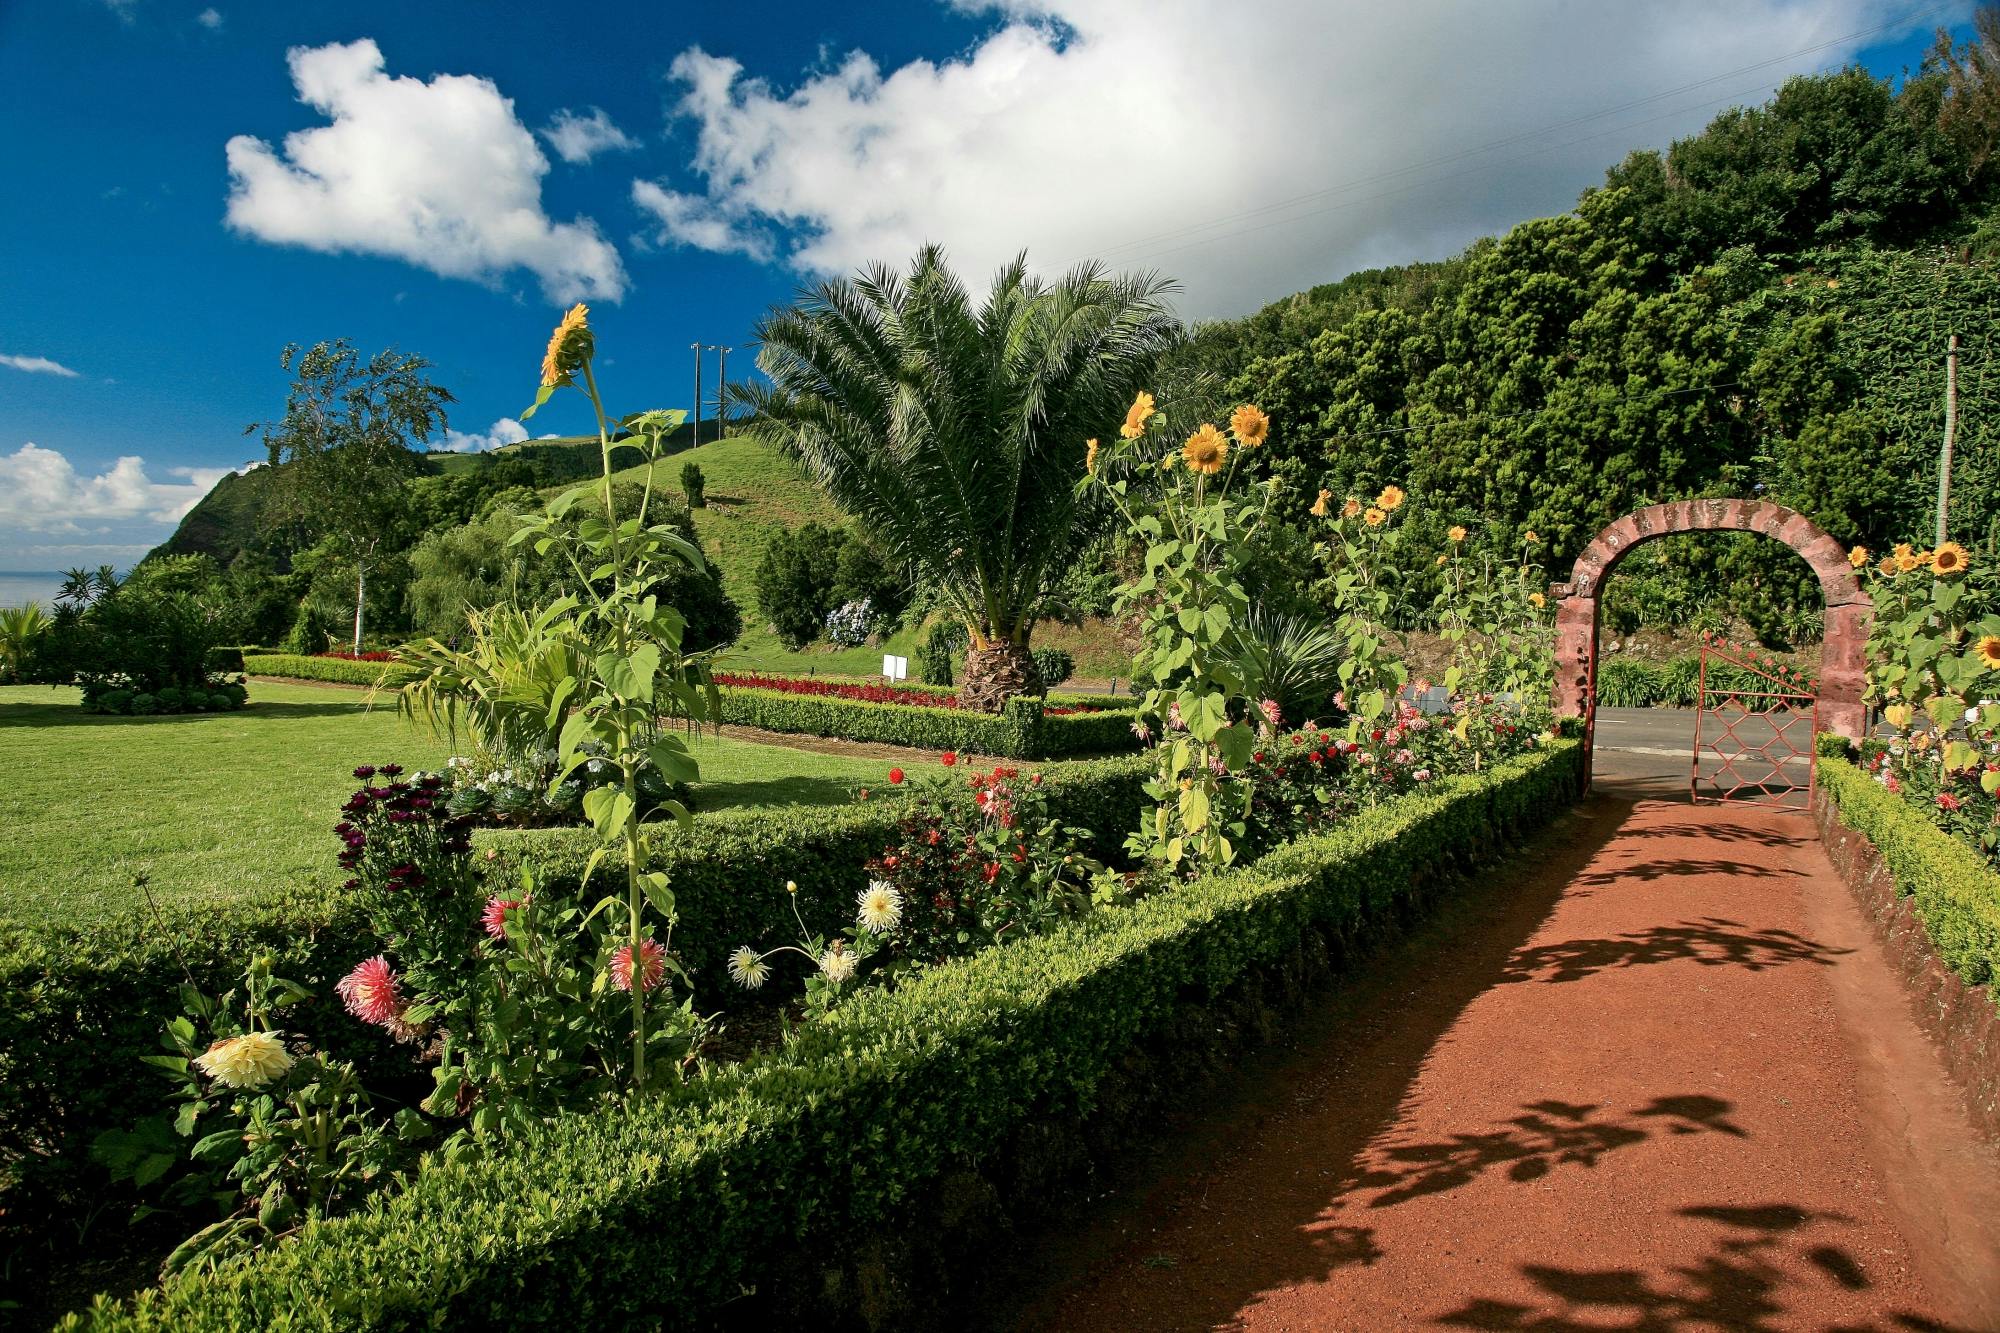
1955	895
84	1004
337	670
869	1133
1020	731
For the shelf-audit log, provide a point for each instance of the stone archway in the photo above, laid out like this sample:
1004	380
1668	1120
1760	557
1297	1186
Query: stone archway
1848	609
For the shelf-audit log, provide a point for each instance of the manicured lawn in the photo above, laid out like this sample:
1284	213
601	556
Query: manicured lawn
215	805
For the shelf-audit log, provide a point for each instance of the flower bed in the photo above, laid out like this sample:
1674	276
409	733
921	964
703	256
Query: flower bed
370	669
884	1140
84	1005
1024	729
923	696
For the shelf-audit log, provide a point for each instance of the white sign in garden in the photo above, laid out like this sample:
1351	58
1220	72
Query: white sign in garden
895	668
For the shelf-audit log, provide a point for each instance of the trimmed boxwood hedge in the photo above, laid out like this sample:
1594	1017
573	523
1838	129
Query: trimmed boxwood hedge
84	1003
335	670
1020	731
871	1133
1955	895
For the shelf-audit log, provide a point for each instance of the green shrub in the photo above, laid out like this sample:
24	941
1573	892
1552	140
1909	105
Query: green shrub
945	640
1627	683
1955	895
1054	666
1020	731
795	581
84	1005
336	670
226	660
777	1173
694	485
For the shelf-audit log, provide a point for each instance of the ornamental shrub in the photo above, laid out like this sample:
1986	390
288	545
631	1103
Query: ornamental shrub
795	582
694	485
945	640
1054	666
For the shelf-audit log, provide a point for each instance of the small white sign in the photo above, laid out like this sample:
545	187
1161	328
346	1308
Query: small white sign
895	668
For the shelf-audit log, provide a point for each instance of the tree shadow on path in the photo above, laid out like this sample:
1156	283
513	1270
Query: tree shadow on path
1709	942
1760	1273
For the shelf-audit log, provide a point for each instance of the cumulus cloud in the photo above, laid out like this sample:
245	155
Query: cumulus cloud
504	431
578	138
1249	149
41	491
210	19
37	365
441	174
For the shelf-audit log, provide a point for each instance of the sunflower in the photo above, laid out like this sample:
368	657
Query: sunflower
1206	450
1457	533
1443	558
569	347
1529	537
1137	416
1090	457
1989	651
1948	559
1887	568
1249	425
1374	518
1912	560
1537	601
1319	505
1858	557
1390	498
1351	508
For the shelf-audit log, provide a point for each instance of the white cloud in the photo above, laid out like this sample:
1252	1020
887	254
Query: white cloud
37	365
578	138
210	19
126	10
440	174
41	491
504	431
1250	149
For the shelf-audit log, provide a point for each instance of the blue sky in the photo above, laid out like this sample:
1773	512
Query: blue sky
464	168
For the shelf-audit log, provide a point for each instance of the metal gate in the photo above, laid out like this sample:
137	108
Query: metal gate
1754	725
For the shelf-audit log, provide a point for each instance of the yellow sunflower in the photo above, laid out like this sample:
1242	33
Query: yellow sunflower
1249	425
1351	508
1441	559
1374	518
1390	498
1319	506
1529	537
1949	559
1090	457
569	347
1537	601
1858	557
1137	416
1989	651
1457	533
1912	560
1206	450
1887	568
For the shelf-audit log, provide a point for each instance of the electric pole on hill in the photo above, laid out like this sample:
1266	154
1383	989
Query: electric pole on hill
697	392
1950	434
722	390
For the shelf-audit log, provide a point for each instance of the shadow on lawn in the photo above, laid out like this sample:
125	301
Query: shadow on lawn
70	715
770	792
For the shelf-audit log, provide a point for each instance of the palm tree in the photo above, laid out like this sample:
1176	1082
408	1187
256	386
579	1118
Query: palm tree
956	436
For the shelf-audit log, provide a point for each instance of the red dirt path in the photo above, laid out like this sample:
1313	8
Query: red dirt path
1664	1082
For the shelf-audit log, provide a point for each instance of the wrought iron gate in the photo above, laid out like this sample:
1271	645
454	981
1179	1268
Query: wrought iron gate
1754	724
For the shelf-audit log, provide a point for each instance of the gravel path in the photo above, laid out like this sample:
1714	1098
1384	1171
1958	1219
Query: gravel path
1661	1079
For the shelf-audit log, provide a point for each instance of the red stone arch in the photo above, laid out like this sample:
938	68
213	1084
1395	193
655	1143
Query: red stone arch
1848	609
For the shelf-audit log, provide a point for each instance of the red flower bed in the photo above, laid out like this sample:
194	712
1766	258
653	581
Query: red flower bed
909	696
360	657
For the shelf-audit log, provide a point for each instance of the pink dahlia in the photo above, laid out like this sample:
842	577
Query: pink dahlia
372	994
1272	714
494	918
652	965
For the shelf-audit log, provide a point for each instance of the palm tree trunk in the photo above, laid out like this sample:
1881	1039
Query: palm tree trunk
995	673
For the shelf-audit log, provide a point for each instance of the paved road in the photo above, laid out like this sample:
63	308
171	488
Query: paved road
1662	1078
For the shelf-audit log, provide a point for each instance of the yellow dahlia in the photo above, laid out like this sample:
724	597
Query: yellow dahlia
1949	559
1390	498
1858	557
1206	450
248	1061
1319	506
569	347
1137	416
1989	651
1374	518
1250	426
1457	533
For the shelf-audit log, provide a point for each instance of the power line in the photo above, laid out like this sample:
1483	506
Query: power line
1895	25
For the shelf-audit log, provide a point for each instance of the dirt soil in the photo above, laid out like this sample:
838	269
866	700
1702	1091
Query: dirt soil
1662	1080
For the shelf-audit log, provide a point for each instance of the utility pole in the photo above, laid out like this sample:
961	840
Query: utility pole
697	392
722	390
1950	433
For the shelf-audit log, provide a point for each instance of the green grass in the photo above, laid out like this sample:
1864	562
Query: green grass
213	806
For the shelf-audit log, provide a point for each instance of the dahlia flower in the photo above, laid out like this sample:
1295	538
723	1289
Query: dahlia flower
879	908
372	992
652	965
838	964
747	968
248	1061
494	918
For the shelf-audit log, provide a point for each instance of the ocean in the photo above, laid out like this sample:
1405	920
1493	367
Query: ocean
18	589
